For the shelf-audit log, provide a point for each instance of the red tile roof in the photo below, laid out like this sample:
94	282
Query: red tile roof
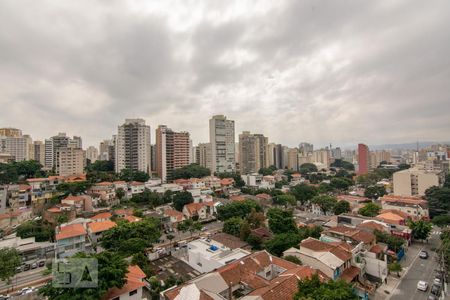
350	273
69	231
340	250
134	282
354	233
174	213
132	219
101	226
103	215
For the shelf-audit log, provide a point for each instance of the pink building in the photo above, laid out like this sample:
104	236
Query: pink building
363	159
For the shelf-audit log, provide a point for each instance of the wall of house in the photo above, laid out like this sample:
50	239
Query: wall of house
375	267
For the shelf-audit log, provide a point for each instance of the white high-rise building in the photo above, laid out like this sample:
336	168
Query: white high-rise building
222	140
12	142
92	154
132	146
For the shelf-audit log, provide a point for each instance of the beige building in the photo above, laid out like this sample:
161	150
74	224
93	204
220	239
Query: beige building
203	155
70	161
270	161
321	158
252	152
414	181
16	146
222	140
92	154
292	159
172	152
10	132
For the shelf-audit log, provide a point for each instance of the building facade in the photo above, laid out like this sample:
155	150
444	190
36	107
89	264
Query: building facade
252	152
222	140
363	159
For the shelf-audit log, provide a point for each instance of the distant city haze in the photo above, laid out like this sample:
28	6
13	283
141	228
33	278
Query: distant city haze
340	72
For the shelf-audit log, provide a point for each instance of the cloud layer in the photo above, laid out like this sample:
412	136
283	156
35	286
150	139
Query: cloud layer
318	71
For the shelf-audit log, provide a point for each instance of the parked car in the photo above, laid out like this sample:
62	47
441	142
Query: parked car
34	265
436	290
42	263
422	286
432	297
18	269
437	281
26	267
423	254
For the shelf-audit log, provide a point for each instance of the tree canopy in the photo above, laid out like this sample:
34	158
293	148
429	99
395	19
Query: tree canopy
341	183
326	203
267	171
73	188
394	243
304	192
40	231
314	289
133	175
191	171
233	226
369	210
285	199
9	260
112	271
16	171
307	168
237	209
281	242
375	191
281	221
441	220
438	200
129	238
182	198
341	207
339	163
420	230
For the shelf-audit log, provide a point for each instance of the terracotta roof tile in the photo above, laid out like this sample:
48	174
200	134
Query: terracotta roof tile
69	231
104	215
101	226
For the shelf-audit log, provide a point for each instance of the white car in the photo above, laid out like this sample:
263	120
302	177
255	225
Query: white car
437	281
422	286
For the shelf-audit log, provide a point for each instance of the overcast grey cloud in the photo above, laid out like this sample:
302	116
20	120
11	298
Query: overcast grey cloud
318	71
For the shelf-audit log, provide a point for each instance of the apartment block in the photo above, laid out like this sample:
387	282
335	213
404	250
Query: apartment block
222	140
414	181
363	159
70	161
252	152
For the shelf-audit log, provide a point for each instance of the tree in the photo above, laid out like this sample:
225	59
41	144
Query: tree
403	167
281	242
191	171
339	163
441	221
281	183
112	269
170	237
73	188
304	192
256	219
420	229
285	199
394	243
245	230
129	238
341	207
326	203
237	209
120	193
133	175
255	241
189	225
41	231
375	191
180	199
101	166
9	261
308	168
281	221
395	267
15	171
312	288
325	188
370	210
143	262
340	183
293	259
267	171
438	200
233	226
138	213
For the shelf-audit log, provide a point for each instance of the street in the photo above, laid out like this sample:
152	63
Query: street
24	279
420	269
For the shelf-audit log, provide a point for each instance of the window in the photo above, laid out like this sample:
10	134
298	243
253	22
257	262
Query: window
132	293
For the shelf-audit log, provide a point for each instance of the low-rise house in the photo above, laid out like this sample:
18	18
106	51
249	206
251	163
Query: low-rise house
355	202
132	219
29	249
257	276
263	233
175	217
80	203
204	210
416	208
13	219
391	218
351	235
70	239
104	216
105	191
54	214
122	213
132	289
226	182
135	187
96	229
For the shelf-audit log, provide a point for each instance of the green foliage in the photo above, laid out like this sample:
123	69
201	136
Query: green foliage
189	225
438	200
403	167
191	171
73	188
111	273
40	231
238	181
341	207
15	171
304	192
339	163
255	241
9	260
326	203
233	226
375	191
143	262
237	209
325	188
281	221
120	193
370	210
373	177
443	252
308	168
279	184
256	219
267	171
101	166
281	242
441	221
293	259
314	289
149	198
245	230
394	243
395	267
133	175
129	238
285	199
341	183
180	199
420	229
138	213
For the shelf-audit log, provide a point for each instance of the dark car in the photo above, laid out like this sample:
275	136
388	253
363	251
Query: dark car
423	254
435	290
42	263
26	267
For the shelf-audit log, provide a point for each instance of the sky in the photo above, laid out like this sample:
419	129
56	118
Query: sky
338	72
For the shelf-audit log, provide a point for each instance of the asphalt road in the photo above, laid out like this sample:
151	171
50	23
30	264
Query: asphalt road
420	269
24	279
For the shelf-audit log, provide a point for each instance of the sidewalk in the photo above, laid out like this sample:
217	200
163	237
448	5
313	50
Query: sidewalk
385	291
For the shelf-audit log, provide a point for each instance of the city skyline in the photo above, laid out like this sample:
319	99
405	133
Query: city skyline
340	73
